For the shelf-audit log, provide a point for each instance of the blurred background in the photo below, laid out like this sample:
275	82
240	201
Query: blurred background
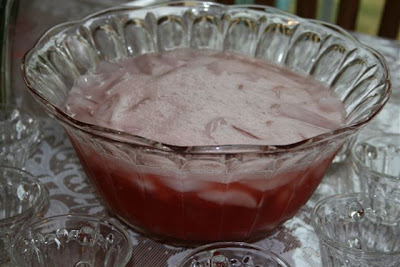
368	19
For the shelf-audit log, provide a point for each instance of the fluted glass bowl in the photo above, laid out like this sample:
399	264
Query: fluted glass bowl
201	194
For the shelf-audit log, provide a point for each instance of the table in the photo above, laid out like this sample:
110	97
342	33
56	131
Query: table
57	166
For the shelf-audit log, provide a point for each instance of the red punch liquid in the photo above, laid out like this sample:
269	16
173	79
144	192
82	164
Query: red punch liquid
197	98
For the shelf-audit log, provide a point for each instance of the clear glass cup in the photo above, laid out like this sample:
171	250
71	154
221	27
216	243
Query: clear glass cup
232	254
376	161
166	191
72	240
22	199
358	230
19	135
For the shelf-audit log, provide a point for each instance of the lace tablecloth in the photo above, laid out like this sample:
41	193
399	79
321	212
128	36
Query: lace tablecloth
56	164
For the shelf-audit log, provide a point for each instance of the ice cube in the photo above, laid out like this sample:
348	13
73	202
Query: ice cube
214	125
329	104
230	197
296	112
145	63
216	68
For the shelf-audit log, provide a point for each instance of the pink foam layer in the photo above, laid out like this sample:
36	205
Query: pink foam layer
191	97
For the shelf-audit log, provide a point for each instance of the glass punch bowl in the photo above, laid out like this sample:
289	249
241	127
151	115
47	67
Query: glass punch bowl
200	194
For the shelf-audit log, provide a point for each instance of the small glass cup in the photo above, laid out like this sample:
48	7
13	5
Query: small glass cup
227	254
358	230
376	160
19	133
22	198
72	240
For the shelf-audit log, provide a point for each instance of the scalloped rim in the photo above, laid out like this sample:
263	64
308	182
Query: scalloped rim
123	137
